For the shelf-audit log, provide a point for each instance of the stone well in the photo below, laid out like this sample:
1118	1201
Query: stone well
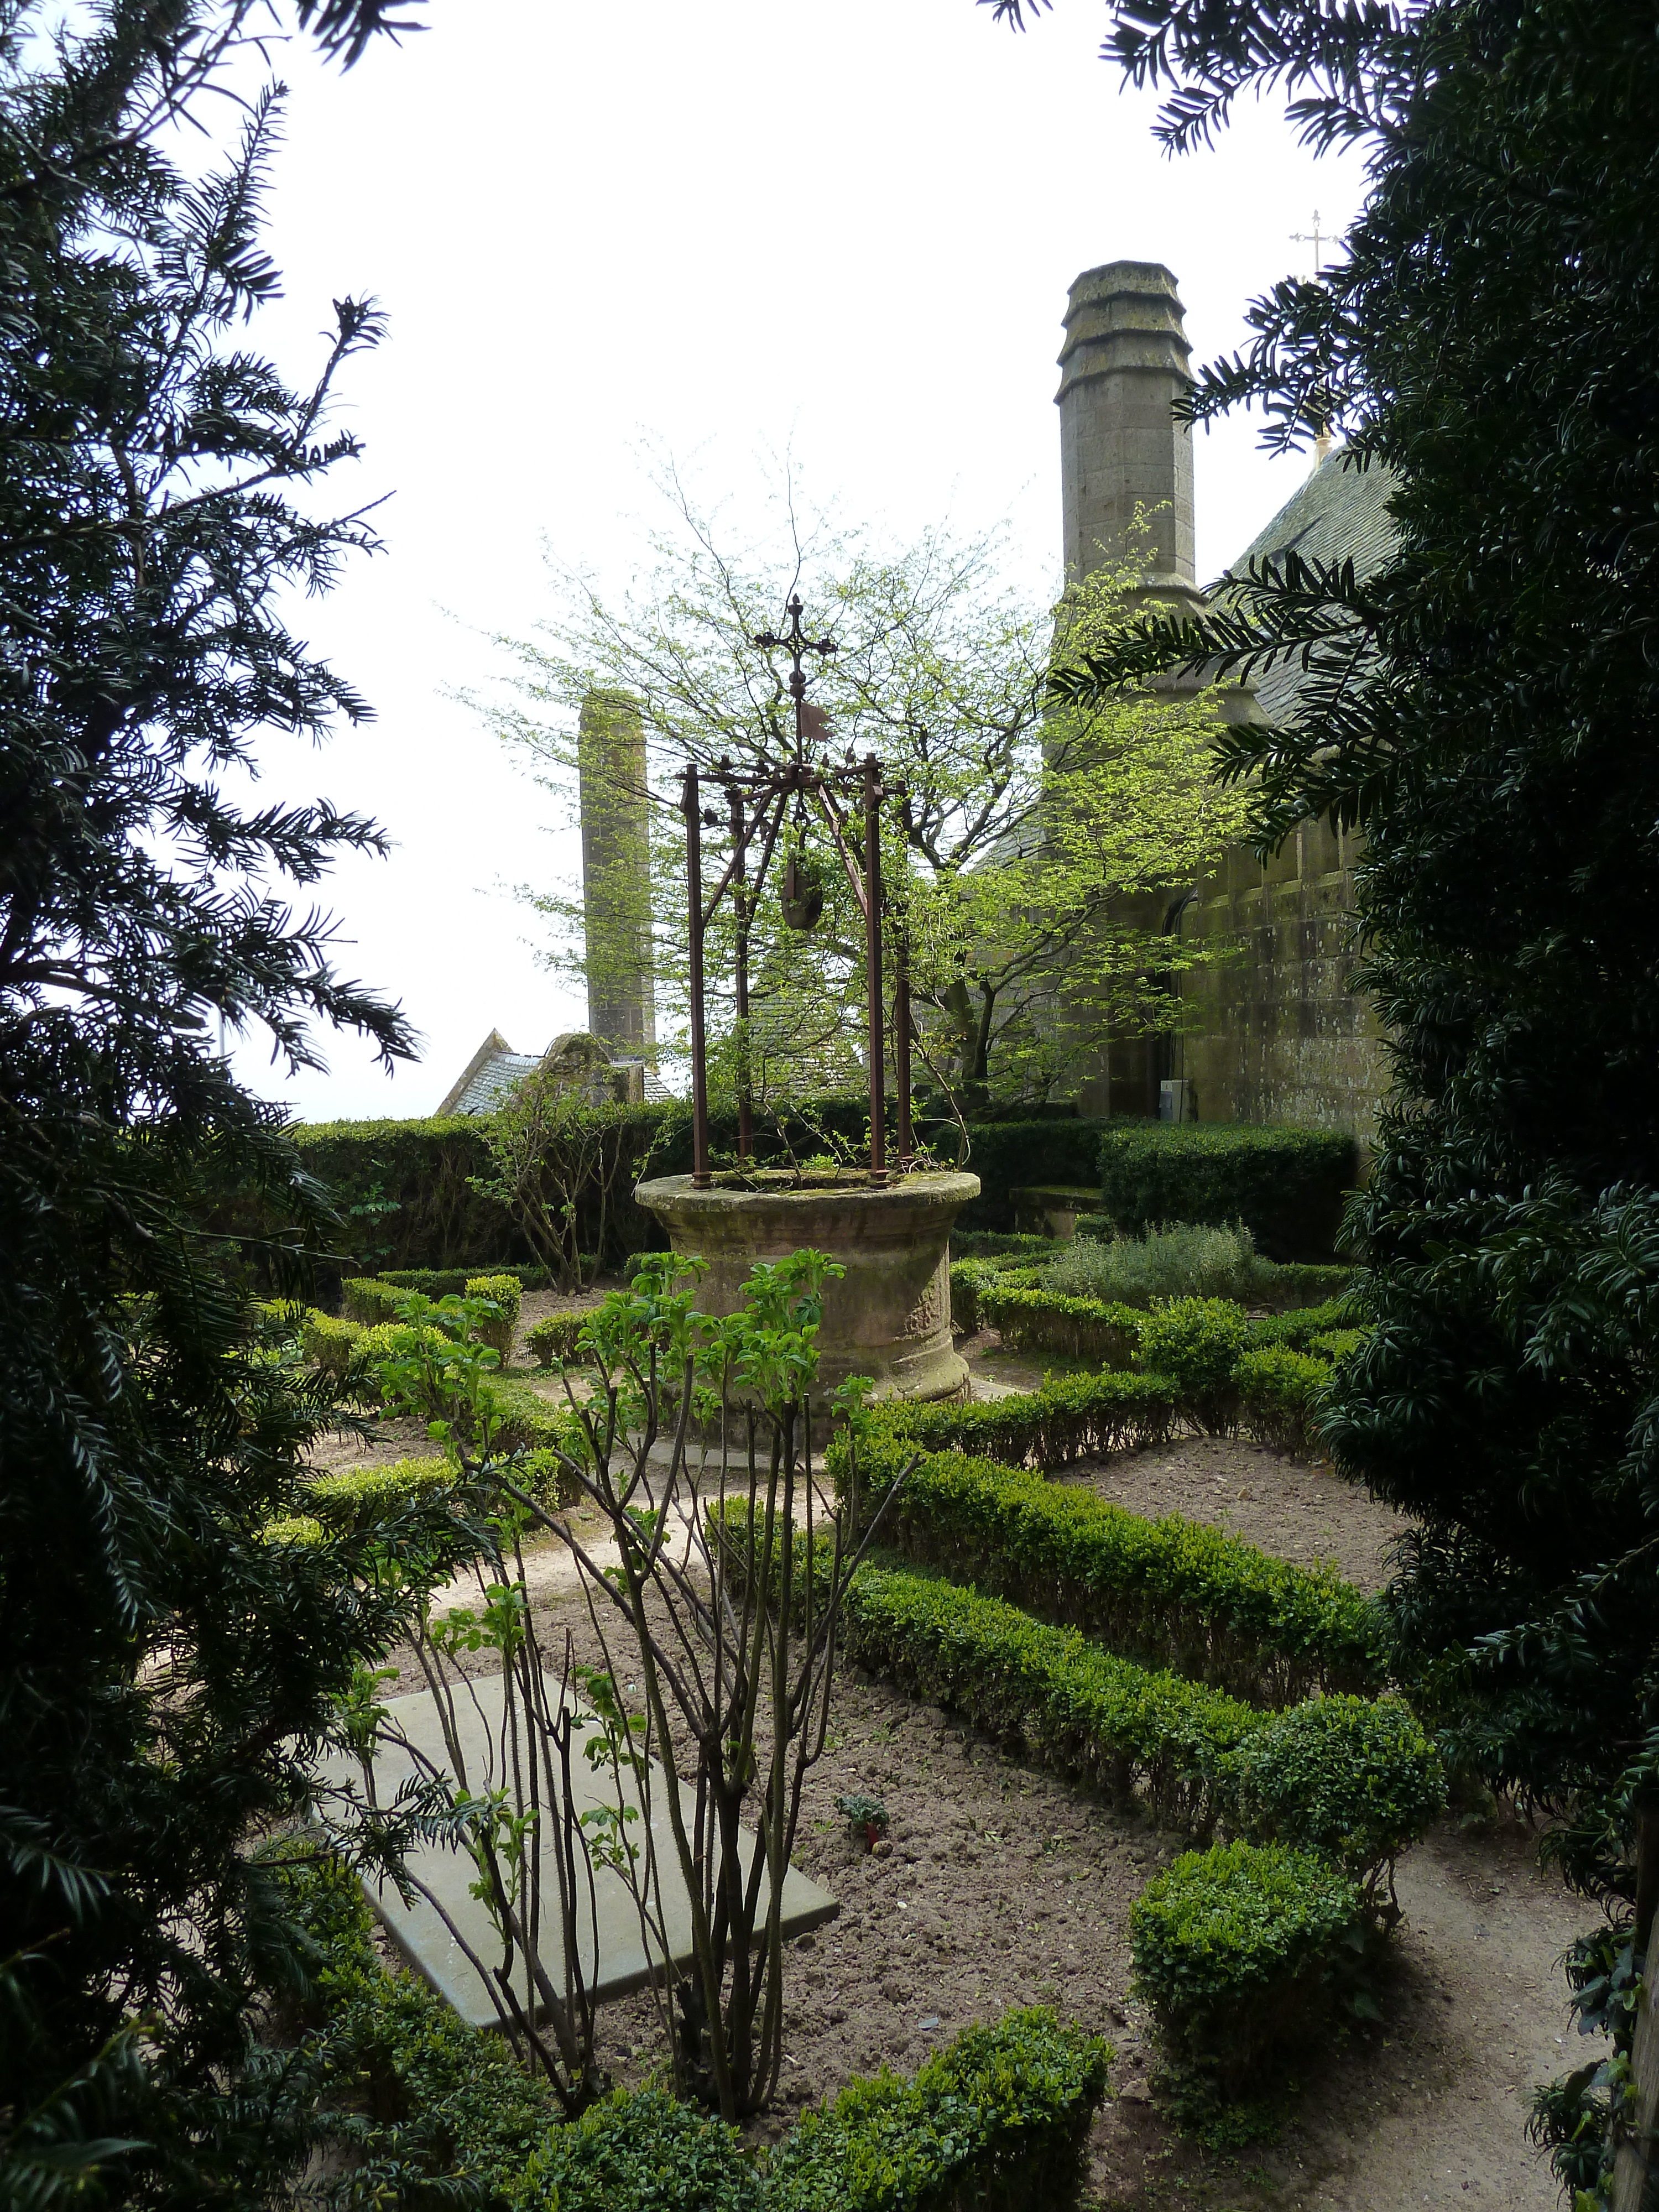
889	1316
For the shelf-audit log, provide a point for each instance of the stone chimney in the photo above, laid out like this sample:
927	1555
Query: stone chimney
1122	366
616	873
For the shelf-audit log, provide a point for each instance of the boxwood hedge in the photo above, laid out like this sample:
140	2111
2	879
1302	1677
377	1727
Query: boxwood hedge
1286	1184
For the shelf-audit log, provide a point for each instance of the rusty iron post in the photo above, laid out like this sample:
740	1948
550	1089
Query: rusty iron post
690	807
907	1141
872	954
740	909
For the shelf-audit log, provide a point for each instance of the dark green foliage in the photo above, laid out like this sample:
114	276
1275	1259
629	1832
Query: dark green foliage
1174	1593
1354	1778
1486	709
1008	1156
1127	1729
1284	1185
994	1243
165	1675
1241	1950
1196	1343
1573	2117
404	1193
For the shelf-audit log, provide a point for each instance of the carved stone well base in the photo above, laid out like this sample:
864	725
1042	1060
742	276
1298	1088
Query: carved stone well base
889	1316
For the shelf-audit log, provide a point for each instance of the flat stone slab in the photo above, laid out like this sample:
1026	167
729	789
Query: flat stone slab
611	1949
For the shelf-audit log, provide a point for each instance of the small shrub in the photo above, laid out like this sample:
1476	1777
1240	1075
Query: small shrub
969	1277
495	1329
1278	1396
1196	1343
1355	1778
392	1340
554	1337
329	1342
1286	1184
1241	1950
1181	1260
1334	1344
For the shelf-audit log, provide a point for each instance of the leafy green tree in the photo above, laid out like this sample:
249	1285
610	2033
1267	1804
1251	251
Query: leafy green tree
1487	708
166	1674
1031	830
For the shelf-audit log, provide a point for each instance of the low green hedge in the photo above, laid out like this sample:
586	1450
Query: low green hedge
967	1276
1286	1185
1072	1417
1127	1729
451	1282
1241	1949
1033	1319
426	2107
1297	1329
1175	1593
1294	1285
370	1299
554	1337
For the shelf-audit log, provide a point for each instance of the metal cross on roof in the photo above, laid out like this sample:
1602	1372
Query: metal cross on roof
1315	238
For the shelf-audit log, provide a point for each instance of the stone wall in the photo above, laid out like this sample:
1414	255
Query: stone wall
1280	1038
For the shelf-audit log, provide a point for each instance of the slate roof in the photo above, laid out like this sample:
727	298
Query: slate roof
1341	513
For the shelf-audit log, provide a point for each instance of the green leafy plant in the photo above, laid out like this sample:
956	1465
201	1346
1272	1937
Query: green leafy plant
749	1691
1240	1951
867	1817
1029	1319
1196	1344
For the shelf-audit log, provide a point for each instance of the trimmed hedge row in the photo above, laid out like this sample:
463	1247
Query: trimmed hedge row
1028	1319
998	2117
451	1282
1286	1184
1177	1592
1127	1729
1072	1417
554	1337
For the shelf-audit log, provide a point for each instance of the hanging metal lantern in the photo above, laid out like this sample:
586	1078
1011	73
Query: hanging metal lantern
802	897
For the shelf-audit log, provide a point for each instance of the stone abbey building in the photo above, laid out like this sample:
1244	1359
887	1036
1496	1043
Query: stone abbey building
1274	1034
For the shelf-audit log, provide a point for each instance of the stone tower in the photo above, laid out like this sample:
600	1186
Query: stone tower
1123	365
616	873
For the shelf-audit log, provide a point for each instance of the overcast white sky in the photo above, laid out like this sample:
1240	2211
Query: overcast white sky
842	230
